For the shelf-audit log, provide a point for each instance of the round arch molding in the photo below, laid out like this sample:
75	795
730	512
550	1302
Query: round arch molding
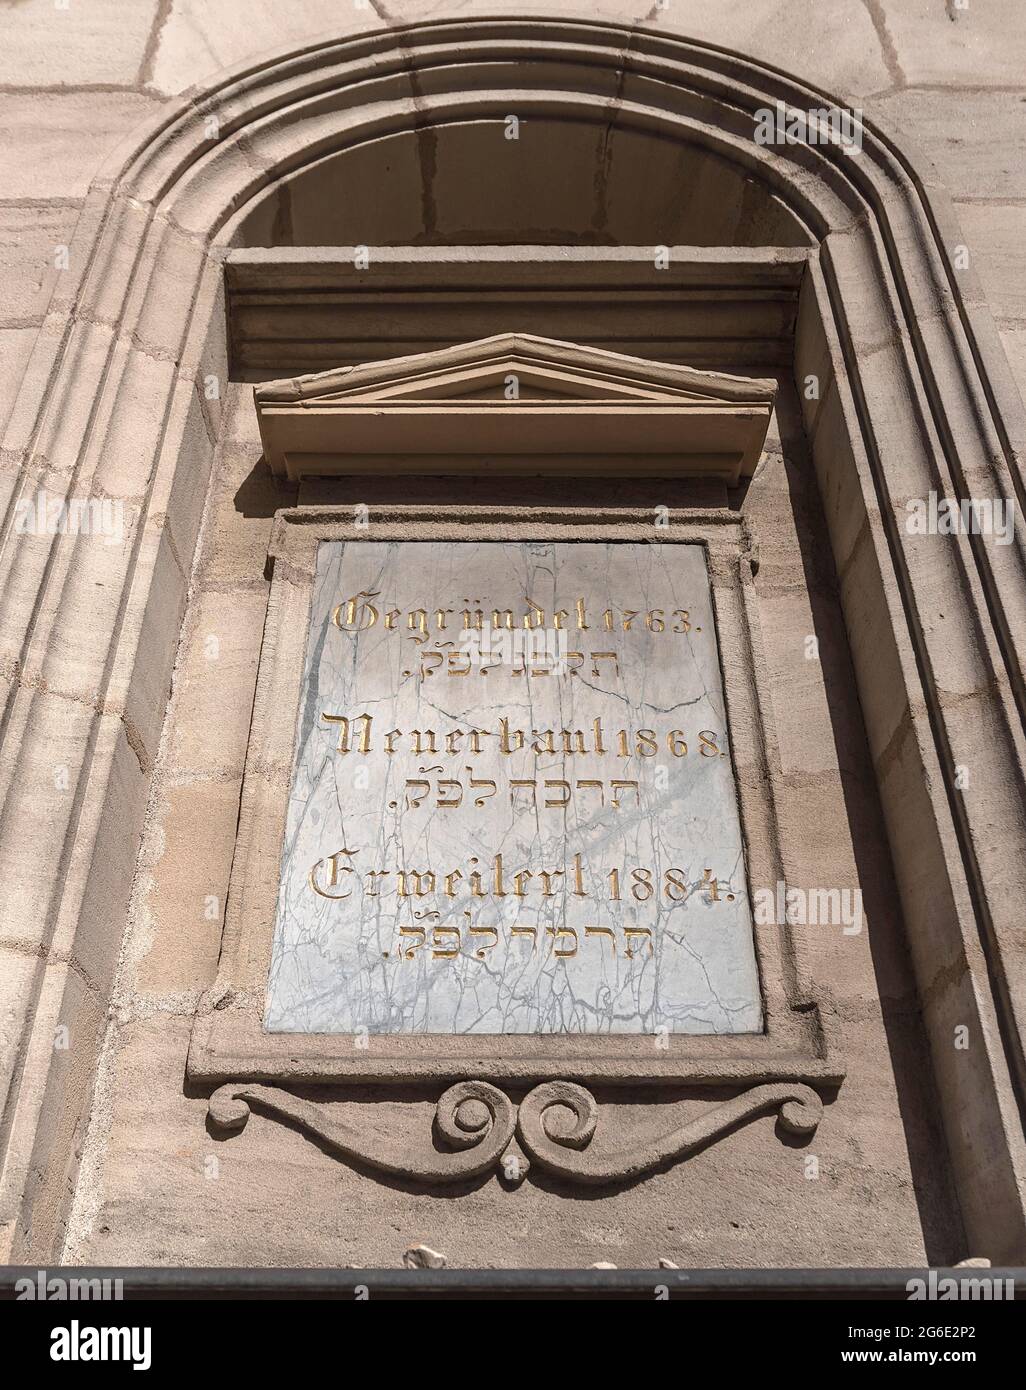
915	397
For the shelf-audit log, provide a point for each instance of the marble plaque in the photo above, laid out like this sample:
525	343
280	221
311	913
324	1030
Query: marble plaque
512	807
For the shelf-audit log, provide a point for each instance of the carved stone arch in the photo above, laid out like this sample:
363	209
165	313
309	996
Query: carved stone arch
914	396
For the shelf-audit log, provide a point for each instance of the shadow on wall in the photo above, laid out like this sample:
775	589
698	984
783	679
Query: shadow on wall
558	182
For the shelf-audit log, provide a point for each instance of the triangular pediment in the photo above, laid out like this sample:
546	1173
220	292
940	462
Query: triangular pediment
557	369
515	403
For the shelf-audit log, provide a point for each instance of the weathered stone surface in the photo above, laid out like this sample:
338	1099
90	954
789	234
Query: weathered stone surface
243	499
53	143
47	44
15	346
201	36
214	683
182	909
956	42
423	1257
30	241
973	138
1014	341
995	237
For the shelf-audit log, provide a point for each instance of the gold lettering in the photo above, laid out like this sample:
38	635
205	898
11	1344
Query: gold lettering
537	613
637	931
602	931
333	872
475	882
498	889
423	883
373	875
342	746
579	877
547	878
557	933
351	607
642	885
504	738
674	879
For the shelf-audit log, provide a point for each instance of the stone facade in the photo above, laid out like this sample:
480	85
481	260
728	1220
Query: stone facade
176	182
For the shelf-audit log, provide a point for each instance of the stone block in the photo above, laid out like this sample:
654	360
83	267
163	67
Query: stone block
995	237
15	349
53	143
49	45
1014	343
181	907
957	44
818	723
214	683
29	241
198	37
240	511
973	137
19	972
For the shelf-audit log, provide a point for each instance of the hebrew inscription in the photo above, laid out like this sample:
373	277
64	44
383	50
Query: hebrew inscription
512	807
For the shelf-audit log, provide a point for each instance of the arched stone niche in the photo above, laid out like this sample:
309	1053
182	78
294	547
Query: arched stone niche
619	185
914	397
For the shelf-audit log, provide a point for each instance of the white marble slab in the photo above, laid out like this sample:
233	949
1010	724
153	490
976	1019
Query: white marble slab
594	947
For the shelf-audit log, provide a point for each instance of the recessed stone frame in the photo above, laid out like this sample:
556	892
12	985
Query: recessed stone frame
916	396
229	1042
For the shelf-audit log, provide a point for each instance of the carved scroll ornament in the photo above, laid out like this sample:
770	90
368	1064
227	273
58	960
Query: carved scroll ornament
476	1124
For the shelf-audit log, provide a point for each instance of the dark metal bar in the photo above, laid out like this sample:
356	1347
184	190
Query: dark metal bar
347	1284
